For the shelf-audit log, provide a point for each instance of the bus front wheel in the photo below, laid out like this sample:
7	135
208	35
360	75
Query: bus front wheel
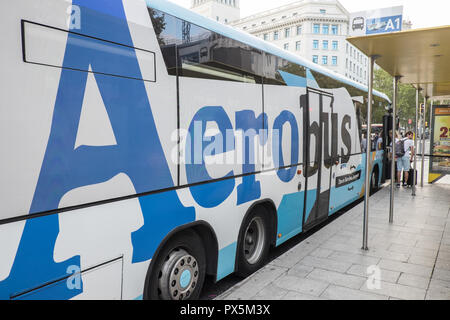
180	268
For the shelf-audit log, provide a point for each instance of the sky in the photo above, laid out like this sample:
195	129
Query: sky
422	13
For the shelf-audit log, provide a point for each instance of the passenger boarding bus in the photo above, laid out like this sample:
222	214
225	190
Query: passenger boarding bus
145	147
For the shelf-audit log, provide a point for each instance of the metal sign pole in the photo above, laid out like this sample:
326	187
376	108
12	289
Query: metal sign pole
430	150
415	143
423	141
368	154
394	130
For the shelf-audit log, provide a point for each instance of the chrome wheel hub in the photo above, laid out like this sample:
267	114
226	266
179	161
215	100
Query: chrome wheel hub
179	276
254	239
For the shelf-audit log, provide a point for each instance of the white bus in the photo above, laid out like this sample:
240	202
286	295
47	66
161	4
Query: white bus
145	147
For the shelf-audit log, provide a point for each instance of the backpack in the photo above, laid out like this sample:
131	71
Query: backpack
400	148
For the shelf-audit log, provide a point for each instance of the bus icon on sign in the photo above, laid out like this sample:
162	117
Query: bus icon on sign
358	23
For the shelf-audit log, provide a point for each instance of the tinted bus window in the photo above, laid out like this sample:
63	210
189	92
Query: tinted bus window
168	32
201	53
276	67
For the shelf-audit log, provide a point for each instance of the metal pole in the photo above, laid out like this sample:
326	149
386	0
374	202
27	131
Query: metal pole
368	154
423	141
430	150
394	130
415	142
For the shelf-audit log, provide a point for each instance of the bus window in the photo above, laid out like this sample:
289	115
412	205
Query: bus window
276	70
167	29
201	53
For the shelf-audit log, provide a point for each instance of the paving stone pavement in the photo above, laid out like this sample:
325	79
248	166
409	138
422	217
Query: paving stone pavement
407	260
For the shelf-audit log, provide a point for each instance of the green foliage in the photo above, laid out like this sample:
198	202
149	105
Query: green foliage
159	24
406	106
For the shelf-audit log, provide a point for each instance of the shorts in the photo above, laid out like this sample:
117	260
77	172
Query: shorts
404	163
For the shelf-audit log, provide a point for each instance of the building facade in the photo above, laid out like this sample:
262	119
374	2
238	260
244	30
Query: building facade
224	11
315	30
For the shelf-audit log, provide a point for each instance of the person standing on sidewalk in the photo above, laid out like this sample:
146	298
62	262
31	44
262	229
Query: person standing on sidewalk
404	154
392	158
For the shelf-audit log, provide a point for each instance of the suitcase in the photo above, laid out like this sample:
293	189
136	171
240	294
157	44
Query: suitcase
410	178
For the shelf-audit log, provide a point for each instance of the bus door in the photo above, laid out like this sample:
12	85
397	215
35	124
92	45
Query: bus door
317	107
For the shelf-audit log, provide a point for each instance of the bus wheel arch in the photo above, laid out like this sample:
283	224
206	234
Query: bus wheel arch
195	241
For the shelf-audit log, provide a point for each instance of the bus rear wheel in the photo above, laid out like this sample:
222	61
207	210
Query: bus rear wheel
180	268
374	182
254	245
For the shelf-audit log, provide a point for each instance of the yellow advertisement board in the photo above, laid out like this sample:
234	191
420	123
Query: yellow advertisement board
440	141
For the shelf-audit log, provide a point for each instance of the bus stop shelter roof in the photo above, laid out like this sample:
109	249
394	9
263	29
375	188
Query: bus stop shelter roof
420	57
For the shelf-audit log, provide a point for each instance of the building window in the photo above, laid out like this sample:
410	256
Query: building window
315	44
325	44
316	28
334	29
297	45
325	29
346	64
275	35
325	60
286	46
287	32
323	11
335	45
266	36
316	59
299	30
334	60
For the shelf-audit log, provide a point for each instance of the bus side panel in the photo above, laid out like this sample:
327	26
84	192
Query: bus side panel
285	186
59	110
211	111
28	94
78	125
86	238
348	172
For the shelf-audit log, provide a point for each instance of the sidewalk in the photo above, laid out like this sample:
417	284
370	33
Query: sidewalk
411	256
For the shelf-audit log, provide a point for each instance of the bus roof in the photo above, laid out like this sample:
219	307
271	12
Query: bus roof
233	33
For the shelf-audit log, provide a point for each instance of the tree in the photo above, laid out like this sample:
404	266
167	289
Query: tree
159	24
406	106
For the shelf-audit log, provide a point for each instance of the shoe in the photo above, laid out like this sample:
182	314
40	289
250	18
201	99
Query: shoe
398	185
404	185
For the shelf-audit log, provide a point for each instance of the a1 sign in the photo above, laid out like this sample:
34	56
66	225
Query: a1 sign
376	21
385	24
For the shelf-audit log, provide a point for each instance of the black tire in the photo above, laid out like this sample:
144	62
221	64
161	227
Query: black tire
184	246
374	182
249	260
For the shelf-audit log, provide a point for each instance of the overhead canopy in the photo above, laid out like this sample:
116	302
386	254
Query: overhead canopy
421	57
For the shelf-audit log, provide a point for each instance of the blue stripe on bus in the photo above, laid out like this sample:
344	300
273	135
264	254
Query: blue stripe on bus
226	261
290	216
